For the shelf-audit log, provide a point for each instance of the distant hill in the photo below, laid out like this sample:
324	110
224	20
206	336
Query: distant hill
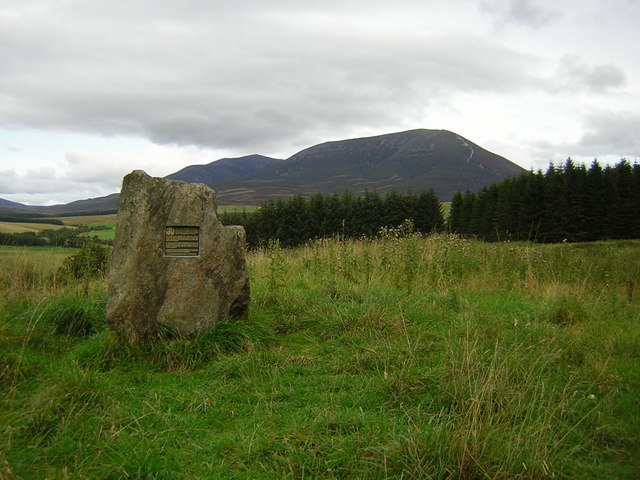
213	174
91	205
98	204
223	170
8	204
412	160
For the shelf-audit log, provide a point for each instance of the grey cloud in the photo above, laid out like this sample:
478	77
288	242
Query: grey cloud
526	12
574	72
611	134
607	135
232	77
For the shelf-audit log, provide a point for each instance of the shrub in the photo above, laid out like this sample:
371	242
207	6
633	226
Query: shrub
91	261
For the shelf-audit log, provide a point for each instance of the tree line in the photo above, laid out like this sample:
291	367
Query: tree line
566	203
300	219
17	218
64	237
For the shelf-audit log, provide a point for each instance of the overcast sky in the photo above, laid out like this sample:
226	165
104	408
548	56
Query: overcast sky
92	89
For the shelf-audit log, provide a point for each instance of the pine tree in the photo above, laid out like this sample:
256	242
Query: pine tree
506	220
396	209
350	223
334	219
267	222
295	226
318	227
454	222
552	225
623	199
481	215
598	199
461	212
428	216
532	205
573	214
370	210
634	226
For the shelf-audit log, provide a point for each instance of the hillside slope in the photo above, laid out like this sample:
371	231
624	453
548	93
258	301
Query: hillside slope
412	160
9	205
223	170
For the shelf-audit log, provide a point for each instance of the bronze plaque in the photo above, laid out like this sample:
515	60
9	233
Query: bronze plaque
180	241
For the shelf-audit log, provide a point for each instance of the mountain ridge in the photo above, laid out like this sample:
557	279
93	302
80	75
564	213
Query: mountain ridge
228	168
411	160
8	204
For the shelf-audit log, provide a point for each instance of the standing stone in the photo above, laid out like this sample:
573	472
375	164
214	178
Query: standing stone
173	264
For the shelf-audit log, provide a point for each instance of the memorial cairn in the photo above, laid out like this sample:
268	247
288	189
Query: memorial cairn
174	266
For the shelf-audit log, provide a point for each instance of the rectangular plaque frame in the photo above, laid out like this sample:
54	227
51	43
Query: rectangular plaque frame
182	241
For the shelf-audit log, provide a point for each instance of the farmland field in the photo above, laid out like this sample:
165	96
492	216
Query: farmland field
108	221
19	227
89	220
236	208
402	357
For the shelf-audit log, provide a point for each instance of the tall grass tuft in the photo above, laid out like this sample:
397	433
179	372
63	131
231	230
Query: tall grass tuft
74	315
178	353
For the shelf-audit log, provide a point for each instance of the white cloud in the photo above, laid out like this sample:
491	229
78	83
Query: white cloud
231	78
109	168
204	79
607	136
43	186
89	174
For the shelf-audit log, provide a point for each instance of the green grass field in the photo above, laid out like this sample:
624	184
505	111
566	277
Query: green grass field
103	231
403	358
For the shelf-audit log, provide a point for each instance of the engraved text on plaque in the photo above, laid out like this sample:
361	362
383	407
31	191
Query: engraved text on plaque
180	241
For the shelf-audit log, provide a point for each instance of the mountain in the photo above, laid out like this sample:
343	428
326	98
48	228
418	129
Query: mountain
223	170
411	160
91	205
213	174
98	204
8	204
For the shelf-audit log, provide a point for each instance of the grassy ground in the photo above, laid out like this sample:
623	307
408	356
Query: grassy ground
399	358
103	231
26	272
